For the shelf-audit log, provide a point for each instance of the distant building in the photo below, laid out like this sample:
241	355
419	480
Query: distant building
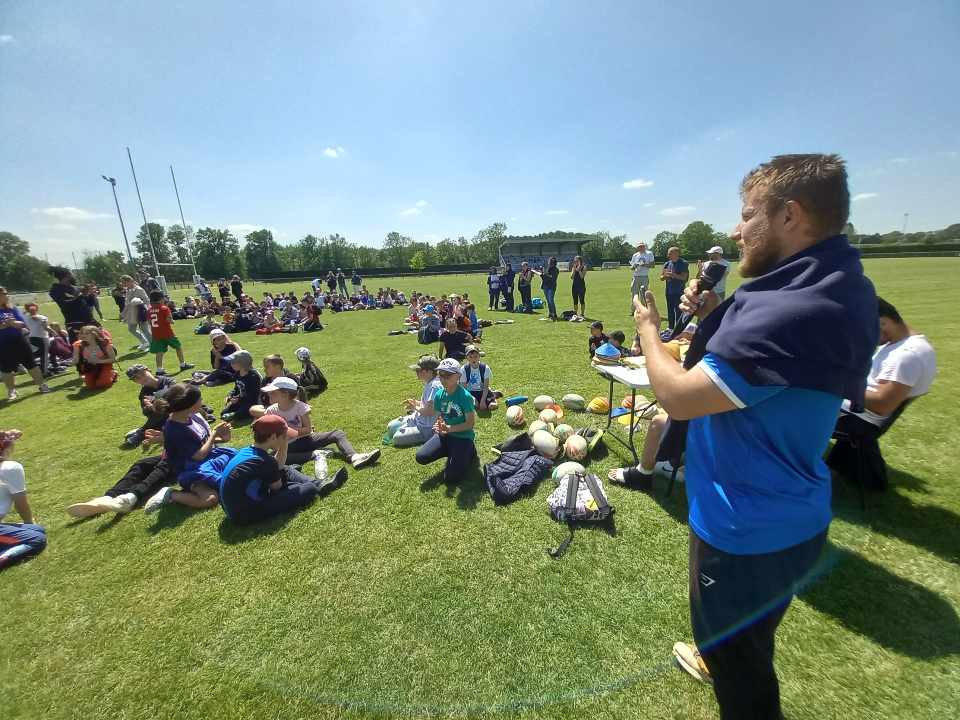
537	249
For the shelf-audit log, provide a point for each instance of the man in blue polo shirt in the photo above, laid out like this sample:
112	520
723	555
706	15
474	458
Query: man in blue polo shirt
772	366
675	274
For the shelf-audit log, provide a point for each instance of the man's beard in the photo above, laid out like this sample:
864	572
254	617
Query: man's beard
760	255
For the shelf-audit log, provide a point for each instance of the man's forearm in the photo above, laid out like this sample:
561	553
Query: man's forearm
663	371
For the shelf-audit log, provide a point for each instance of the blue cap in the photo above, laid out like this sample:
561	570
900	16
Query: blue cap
428	308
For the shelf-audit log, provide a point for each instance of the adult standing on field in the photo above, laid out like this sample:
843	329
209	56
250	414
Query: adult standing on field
523	284
578	277
640	264
15	347
356	280
548	283
342	282
236	287
134	312
675	274
769	370
72	303
506	286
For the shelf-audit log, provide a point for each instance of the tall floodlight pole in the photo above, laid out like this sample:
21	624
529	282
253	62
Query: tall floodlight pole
113	186
905	217
183	223
146	225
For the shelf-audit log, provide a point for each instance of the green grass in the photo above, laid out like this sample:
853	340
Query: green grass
398	595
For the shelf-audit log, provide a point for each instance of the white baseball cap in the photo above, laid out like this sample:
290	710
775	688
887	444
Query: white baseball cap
448	365
715	249
280	383
217	332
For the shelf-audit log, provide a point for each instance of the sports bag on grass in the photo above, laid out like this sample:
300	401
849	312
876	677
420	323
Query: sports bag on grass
578	498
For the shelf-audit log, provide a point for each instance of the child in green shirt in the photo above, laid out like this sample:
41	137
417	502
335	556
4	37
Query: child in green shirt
456	415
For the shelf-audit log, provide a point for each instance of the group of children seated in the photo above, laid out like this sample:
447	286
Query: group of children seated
283	313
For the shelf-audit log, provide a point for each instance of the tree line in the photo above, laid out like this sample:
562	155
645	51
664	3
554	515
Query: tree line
217	252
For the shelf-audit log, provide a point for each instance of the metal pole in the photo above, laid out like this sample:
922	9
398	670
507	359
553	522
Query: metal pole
183	222
146	225
905	216
113	186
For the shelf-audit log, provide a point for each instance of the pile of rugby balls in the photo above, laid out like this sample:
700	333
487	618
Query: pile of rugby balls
551	436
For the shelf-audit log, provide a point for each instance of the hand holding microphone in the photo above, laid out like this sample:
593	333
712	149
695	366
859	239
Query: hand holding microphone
698	299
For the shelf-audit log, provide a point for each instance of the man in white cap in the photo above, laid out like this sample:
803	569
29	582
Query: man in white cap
716	256
640	264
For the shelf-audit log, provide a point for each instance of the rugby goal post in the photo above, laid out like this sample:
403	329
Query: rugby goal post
563	266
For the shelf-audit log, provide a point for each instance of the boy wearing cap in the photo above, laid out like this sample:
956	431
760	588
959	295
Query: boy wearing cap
304	442
416	428
256	484
161	328
246	388
456	416
715	255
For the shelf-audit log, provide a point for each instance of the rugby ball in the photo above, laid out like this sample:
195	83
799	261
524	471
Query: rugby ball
566	468
546	444
575	447
541	401
562	432
574	401
536	425
514	416
548	416
599	405
627	402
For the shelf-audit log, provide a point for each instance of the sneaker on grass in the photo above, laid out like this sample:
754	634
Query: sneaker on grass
186	366
688	658
125	503
360	460
330	484
97	506
160	498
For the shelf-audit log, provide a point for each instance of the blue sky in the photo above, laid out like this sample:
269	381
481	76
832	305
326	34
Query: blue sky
434	119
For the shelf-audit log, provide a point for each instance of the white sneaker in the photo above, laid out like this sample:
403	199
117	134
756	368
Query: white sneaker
666	469
363	459
90	508
320	467
159	498
143	348
125	503
12	395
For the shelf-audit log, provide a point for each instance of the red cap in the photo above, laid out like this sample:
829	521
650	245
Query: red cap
270	425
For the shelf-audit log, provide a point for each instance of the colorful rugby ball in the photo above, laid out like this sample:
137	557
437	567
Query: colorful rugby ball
541	401
562	432
536	425
573	401
546	444
548	416
575	447
566	468
514	416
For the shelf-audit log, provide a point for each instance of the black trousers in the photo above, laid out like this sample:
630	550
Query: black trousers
459	452
495	299
736	604
300	451
144	478
673	308
525	300
508	298
298	492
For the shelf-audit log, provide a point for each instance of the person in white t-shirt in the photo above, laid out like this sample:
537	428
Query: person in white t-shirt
475	376
18	541
640	264
903	368
716	256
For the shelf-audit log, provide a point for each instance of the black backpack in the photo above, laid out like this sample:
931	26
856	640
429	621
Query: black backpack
312	379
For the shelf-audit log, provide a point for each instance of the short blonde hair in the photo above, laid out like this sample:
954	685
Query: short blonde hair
815	181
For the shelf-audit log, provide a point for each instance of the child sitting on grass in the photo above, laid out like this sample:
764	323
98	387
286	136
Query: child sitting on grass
597	338
416	428
304	442
94	356
475	376
161	327
246	389
456	415
273	368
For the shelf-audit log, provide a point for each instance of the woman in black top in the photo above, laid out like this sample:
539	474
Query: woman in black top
223	290
578	273
523	283
236	287
548	278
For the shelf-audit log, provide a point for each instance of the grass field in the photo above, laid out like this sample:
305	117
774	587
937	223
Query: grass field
399	595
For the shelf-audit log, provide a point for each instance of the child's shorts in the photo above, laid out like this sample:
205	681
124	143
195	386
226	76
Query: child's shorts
159	345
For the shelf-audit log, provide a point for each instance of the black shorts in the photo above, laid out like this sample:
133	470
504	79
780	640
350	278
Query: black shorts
579	293
15	352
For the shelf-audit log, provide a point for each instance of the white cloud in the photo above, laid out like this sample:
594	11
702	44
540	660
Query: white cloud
334	152
70	213
649	204
62	227
557	212
678	210
242	229
637	184
663	226
4	39
417	208
863	196
900	160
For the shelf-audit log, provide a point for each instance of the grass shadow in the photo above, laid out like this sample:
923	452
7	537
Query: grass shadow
893	514
111	523
233	534
171	516
85	392
899	614
468	491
